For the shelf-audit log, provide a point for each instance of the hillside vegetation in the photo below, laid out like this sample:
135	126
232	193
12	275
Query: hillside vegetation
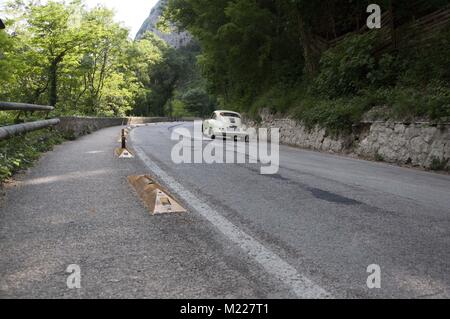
314	59
79	60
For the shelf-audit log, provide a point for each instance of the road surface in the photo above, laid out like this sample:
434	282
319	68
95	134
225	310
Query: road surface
309	231
329	217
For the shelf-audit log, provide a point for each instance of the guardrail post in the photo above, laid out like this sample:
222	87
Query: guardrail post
124	140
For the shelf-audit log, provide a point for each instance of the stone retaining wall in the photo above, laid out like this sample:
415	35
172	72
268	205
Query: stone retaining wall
419	144
78	126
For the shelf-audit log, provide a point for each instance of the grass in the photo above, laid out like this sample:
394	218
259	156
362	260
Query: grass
20	152
379	157
439	164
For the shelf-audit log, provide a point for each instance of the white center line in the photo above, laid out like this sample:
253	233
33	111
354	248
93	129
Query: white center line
272	263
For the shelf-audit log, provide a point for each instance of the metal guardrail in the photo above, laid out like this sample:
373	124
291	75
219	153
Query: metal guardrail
8	106
13	130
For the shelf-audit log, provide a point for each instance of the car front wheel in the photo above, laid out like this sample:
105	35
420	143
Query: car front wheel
213	137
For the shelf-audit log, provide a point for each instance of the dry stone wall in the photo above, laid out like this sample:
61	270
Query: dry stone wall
423	144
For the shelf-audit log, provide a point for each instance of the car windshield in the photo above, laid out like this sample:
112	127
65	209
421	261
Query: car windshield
230	115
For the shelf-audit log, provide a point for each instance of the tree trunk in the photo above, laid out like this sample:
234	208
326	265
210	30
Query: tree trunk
393	25
53	79
312	57
53	95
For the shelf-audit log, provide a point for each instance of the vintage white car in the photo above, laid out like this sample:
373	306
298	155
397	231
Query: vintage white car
225	124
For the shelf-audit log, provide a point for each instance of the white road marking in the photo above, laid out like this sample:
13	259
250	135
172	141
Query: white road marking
273	264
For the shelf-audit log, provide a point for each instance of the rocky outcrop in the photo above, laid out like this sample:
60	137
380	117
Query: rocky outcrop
423	144
175	38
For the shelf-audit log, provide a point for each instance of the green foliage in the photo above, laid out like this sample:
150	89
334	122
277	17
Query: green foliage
20	152
79	60
273	54
278	99
413	83
170	73
245	48
250	54
430	102
84	63
428	63
6	118
179	109
108	87
351	67
198	102
379	157
337	115
6	45
438	164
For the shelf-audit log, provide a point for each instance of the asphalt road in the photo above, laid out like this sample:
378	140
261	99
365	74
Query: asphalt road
309	231
327	216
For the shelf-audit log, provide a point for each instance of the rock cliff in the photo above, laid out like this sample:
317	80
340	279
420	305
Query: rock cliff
175	38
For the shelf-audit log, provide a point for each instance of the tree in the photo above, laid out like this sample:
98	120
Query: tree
6	45
102	51
165	73
80	60
54	32
198	102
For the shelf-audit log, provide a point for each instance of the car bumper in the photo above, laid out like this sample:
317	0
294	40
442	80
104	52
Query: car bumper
239	134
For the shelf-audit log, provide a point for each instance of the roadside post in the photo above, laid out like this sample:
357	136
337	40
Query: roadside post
123	152
124	140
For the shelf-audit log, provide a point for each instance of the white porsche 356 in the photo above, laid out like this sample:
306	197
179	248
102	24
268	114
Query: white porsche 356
225	124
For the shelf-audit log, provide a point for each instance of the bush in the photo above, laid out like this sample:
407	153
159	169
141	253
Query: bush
178	108
438	164
197	101
348	67
20	152
427	63
431	103
278	99
409	84
336	115
379	157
